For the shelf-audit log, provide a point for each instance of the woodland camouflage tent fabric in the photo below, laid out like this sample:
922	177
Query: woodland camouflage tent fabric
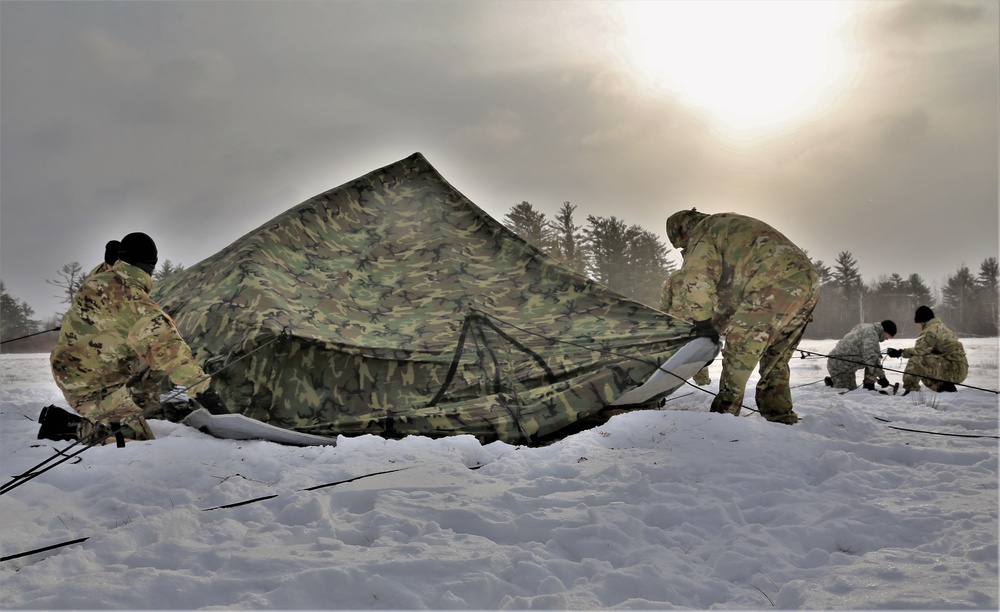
393	305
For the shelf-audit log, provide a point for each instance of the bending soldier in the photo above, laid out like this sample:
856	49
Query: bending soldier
744	280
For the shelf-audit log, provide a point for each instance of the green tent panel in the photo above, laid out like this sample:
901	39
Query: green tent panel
393	305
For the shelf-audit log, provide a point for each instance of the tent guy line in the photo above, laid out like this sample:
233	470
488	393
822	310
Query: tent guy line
225	506
100	434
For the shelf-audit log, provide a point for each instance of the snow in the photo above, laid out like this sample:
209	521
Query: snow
660	509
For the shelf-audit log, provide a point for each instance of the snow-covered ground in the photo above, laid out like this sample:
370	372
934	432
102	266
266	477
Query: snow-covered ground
676	508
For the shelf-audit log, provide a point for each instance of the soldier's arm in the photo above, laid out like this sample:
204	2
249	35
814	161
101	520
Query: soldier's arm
696	294
872	353
667	294
157	342
924	345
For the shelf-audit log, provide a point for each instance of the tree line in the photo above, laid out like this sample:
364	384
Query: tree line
633	261
627	258
968	302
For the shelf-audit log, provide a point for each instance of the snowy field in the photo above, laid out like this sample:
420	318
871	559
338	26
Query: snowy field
676	508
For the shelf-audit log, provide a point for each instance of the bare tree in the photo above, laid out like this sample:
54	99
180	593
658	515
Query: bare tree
70	279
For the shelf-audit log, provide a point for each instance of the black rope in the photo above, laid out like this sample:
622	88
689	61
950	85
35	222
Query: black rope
936	433
43	549
232	505
47	331
815	382
102	433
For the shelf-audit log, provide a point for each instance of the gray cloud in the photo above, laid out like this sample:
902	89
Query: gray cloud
198	121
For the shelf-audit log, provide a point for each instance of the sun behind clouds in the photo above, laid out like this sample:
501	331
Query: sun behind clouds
751	66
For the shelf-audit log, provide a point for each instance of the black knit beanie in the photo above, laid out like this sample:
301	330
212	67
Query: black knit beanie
139	250
889	327
923	315
111	252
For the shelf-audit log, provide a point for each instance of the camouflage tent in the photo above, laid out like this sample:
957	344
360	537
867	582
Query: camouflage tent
393	305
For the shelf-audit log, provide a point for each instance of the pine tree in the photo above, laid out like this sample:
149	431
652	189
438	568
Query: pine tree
15	316
823	271
629	259
918	292
166	270
959	295
567	240
608	243
650	266
988	282
529	224
847	275
826	321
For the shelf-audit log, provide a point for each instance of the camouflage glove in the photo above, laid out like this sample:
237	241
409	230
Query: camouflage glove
894	352
883	382
210	401
705	329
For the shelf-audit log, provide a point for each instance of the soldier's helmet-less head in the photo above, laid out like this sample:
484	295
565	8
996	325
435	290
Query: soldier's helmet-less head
139	250
680	224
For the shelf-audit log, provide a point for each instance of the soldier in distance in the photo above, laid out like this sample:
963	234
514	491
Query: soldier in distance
937	358
860	351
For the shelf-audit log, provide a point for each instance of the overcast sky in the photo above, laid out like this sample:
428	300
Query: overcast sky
850	126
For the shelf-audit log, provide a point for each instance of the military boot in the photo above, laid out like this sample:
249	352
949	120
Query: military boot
788	418
58	424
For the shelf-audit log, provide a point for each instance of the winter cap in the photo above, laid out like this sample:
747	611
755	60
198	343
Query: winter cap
111	252
889	327
139	250
923	315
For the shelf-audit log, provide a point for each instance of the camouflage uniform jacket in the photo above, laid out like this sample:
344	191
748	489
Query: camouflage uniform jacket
113	331
936	339
101	267
728	257
861	346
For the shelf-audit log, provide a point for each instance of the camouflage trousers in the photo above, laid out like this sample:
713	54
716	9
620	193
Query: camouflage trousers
123	404
766	329
842	373
932	370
